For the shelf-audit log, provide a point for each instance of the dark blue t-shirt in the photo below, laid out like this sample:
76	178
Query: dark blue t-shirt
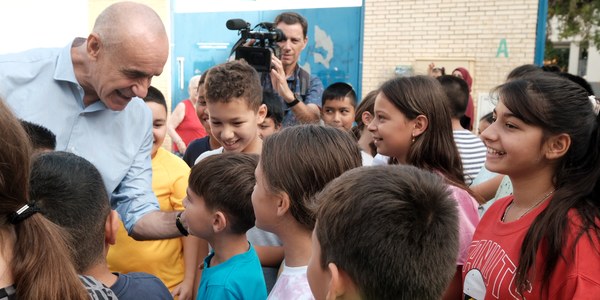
138	285
195	148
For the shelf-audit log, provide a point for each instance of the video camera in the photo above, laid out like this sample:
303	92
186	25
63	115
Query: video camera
259	54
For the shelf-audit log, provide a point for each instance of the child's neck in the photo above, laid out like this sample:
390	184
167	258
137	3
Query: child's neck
255	147
297	245
456	124
212	141
528	188
101	272
226	246
364	142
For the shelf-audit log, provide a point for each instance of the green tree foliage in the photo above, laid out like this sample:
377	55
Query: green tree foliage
577	18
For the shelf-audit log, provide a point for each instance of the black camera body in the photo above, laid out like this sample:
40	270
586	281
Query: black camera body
258	55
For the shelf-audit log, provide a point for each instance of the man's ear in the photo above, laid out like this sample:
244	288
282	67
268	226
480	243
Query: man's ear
283	203
421	123
93	45
262	114
219	221
366	117
111	227
557	146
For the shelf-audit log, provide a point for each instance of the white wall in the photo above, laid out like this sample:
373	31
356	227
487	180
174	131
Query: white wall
26	24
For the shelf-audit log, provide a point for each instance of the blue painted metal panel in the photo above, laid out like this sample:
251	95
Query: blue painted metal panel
333	52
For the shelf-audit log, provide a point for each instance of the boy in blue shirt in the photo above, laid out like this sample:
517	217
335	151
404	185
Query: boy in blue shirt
218	208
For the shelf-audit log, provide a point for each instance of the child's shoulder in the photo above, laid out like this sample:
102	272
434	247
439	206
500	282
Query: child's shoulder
209	153
169	161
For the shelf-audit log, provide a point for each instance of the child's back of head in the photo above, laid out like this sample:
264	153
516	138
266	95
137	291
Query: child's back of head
398	218
457	92
42	139
299	161
70	192
225	183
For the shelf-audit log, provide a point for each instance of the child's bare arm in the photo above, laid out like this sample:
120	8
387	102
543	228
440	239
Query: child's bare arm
191	252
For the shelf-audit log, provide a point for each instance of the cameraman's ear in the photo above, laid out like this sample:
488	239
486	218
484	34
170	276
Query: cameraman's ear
261	114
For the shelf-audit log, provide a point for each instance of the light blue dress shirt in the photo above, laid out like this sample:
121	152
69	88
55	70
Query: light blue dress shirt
40	86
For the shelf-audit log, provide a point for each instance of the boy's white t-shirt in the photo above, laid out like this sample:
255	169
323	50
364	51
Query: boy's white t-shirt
208	153
292	284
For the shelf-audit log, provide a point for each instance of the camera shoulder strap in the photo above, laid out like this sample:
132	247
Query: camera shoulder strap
304	78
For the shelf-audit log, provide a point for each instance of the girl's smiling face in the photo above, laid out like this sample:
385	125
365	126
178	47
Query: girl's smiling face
514	147
392	130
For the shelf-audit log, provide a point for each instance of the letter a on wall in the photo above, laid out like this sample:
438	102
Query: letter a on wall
502	49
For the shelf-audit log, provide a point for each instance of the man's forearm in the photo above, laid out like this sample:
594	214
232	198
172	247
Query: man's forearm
156	225
305	114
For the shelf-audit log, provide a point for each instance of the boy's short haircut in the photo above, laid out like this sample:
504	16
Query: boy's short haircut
225	182
338	91
300	160
234	80
398	218
457	92
70	192
41	137
274	109
154	95
291	18
489	117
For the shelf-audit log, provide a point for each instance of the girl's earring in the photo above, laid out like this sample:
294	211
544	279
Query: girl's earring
413	137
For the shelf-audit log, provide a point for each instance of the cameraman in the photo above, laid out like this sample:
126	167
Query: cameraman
299	91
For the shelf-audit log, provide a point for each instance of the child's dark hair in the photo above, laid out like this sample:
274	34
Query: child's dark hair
579	80
441	69
154	95
559	106
301	160
225	182
41	264
274	109
234	80
41	137
366	105
551	68
70	192
434	149
457	94
523	70
402	219
339	91
489	117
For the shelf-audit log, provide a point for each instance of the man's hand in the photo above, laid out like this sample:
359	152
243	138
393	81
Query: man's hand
279	80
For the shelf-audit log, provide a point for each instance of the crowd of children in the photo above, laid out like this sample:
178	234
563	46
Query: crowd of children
301	212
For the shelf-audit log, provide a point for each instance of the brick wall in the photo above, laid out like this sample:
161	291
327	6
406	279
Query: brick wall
414	32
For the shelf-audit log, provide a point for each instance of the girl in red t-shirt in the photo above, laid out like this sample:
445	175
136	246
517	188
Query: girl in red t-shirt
541	242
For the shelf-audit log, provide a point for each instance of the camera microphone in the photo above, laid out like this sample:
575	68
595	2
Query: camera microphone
237	24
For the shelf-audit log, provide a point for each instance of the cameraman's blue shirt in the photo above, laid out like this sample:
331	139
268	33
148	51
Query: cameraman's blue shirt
310	92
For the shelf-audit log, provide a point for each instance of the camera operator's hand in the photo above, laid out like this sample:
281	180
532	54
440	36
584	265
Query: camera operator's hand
249	43
279	80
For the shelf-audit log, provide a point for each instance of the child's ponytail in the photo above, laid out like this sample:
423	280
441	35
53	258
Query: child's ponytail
42	266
